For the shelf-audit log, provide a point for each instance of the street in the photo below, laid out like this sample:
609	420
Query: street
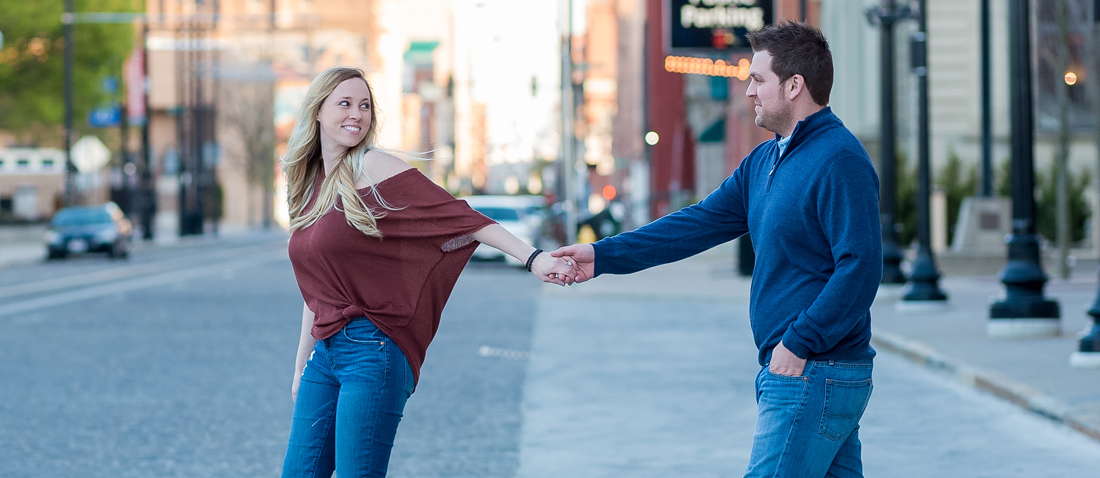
177	363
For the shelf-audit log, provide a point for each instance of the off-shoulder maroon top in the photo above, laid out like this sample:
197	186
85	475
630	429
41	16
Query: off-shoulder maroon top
400	282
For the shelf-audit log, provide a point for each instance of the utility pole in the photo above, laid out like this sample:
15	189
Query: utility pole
886	16
148	206
568	110
70	168
924	284
1023	311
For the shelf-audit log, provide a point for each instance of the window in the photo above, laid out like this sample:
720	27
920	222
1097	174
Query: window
1051	77
22	164
47	164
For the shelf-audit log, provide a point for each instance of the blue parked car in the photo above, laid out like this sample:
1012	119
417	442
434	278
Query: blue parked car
83	229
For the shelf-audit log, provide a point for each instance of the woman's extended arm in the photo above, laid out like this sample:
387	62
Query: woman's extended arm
548	269
305	348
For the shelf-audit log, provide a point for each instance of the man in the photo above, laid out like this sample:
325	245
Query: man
810	199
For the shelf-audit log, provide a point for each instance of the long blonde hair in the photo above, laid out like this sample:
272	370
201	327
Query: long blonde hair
302	162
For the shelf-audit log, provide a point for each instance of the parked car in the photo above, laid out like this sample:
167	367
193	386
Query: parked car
523	216
84	229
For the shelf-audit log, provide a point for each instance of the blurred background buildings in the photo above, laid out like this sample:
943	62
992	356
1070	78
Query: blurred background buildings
475	87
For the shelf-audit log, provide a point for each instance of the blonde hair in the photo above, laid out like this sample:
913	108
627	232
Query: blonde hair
302	162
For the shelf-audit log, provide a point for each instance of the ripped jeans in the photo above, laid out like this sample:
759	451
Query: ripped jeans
350	400
808	426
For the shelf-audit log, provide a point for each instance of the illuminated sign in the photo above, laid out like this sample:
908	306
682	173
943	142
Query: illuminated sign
715	25
705	66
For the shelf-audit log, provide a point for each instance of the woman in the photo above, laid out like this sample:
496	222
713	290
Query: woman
376	249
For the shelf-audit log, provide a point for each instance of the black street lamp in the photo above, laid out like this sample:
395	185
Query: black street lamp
924	283
1023	311
886	16
1088	346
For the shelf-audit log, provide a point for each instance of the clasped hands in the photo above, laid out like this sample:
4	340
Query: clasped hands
567	265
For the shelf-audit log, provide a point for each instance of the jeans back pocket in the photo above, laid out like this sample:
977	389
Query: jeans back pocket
844	405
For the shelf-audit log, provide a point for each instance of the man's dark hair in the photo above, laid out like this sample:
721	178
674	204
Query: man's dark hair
798	49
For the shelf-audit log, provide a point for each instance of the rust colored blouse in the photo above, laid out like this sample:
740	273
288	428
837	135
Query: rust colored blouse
399	282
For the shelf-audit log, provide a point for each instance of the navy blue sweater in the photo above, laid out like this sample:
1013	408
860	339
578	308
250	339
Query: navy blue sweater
814	219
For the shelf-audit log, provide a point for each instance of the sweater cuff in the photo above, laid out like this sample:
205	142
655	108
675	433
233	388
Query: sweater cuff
793	342
598	266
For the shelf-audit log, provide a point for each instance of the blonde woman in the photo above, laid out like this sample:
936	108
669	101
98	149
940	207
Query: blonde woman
376	249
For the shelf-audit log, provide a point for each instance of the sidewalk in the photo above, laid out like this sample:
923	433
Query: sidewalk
640	374
1032	373
21	244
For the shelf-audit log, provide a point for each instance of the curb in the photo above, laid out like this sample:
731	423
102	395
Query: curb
1024	396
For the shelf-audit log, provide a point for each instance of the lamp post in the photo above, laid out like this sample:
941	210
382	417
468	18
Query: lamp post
886	16
924	283
1023	311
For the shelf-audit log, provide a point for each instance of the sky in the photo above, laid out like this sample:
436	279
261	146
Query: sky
511	42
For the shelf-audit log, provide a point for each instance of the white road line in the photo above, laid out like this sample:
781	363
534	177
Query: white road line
40	303
487	351
113	274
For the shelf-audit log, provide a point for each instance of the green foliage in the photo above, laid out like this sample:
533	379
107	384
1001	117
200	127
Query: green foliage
214	201
1046	200
32	64
956	187
1003	178
1046	204
906	194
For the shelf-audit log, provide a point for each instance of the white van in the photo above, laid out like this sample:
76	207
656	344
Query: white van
523	216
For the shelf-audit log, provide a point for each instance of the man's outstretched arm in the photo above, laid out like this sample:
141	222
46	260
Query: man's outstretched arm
718	218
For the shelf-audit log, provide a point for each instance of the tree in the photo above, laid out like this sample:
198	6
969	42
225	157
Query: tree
248	113
956	186
32	68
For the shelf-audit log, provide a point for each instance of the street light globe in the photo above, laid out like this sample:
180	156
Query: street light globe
651	138
1071	78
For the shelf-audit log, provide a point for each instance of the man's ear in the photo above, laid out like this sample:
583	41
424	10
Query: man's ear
795	85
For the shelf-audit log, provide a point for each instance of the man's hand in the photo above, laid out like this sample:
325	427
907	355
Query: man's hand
557	270
785	362
583	257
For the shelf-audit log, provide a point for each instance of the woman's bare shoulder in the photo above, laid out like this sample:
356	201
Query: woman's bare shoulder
380	166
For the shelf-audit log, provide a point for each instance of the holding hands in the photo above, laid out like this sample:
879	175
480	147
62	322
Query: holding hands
566	266
582	258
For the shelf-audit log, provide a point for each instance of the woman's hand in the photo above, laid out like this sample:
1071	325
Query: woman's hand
556	270
294	387
305	351
582	258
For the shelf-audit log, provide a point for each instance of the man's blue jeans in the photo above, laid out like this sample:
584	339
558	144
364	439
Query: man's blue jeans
808	426
352	393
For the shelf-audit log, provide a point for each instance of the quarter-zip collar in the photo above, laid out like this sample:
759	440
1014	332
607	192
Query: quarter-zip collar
802	130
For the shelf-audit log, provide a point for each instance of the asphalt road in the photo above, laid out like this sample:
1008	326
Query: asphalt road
177	363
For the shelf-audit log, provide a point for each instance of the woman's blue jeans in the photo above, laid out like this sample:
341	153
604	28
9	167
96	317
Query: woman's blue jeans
808	426
350	399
